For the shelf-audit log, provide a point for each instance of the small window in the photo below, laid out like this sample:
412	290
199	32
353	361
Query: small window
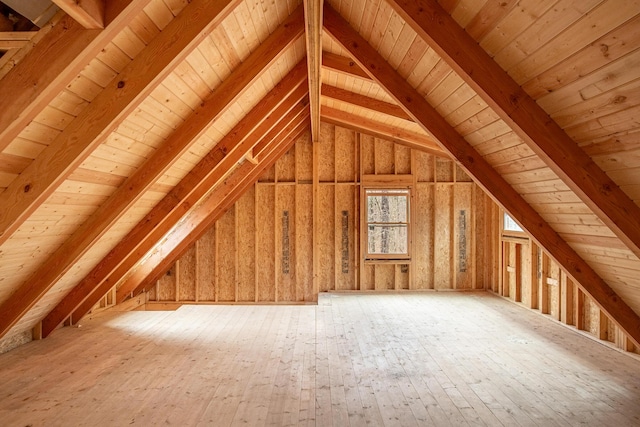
510	224
387	223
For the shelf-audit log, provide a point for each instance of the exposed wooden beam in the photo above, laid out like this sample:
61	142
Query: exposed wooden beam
202	217
544	136
313	38
364	102
484	175
88	13
121	96
135	186
343	65
278	102
381	130
66	49
15	39
220	201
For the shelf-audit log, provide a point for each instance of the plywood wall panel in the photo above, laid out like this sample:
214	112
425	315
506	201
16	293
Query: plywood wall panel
443	233
344	154
385	277
187	275
463	243
402	159
206	266
443	170
246	230
304	243
384	157
326	157
265	242
304	160
344	239
285	243
286	167
166	287
326	235
423	166
402	277
226	254
423	233
367	154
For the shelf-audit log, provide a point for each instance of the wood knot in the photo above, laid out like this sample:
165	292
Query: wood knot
604	49
619	99
27	188
120	84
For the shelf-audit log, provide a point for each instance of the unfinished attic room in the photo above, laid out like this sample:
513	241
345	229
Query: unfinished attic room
322	213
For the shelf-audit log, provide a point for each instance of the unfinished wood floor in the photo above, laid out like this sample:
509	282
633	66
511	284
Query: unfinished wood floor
410	359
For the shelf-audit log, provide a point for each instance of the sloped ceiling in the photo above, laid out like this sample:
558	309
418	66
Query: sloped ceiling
119	143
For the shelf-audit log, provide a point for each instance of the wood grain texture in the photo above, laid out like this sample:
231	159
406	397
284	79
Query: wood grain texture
115	102
88	13
185	195
525	117
487	177
66	49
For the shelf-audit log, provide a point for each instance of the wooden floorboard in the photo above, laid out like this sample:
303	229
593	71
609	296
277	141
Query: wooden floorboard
352	360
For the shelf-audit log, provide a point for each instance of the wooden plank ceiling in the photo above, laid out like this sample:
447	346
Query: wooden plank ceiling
128	125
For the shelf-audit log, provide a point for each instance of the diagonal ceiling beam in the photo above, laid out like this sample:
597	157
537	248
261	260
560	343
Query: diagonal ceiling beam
202	216
121	96
222	199
66	49
313	36
487	177
343	65
135	186
278	102
381	130
364	101
88	13
545	137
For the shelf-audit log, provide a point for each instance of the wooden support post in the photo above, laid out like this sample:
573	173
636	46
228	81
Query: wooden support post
566	288
518	272
579	310
236	259
256	253
315	219
177	283
216	274
544	288
357	173
536	274
603	326
197	271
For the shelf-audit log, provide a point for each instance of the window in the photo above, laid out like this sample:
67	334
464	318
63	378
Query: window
510	224
387	223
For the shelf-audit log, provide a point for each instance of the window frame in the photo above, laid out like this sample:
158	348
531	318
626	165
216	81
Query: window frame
379	190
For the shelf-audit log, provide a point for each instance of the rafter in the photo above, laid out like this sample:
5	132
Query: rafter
240	180
121	96
381	130
66	49
88	13
343	65
477	167
313	36
206	173
200	219
545	137
162	159
364	102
